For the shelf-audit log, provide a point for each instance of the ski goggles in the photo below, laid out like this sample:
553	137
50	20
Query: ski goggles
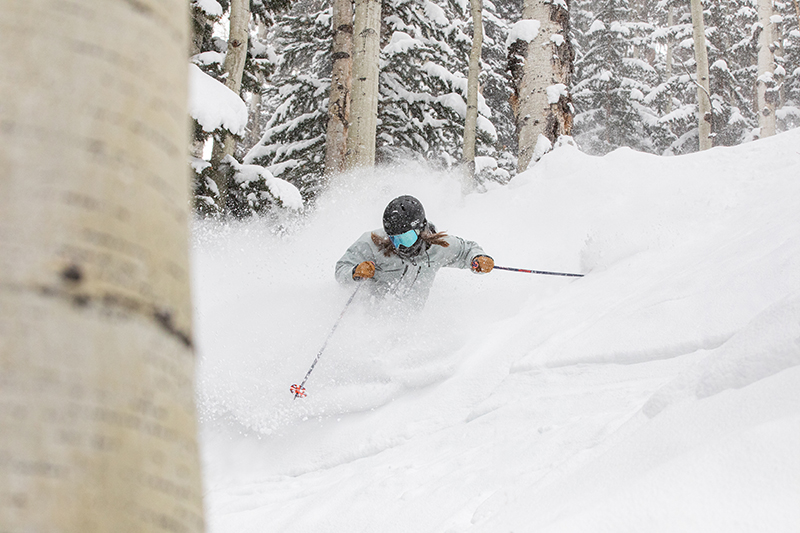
404	239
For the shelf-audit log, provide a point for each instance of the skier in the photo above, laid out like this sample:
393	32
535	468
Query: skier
402	259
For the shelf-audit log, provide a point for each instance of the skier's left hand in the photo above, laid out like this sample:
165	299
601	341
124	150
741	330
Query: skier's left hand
482	264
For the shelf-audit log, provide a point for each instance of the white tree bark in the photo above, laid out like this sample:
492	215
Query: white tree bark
341	83
765	86
548	63
364	96
471	122
704	113
97	416
253	134
238	38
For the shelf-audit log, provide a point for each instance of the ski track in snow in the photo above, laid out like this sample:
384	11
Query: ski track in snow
658	393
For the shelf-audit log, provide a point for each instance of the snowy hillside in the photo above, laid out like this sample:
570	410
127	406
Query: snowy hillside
660	392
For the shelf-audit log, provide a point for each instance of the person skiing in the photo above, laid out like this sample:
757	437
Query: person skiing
402	259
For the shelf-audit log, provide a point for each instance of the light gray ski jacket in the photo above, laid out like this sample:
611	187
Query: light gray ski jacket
406	279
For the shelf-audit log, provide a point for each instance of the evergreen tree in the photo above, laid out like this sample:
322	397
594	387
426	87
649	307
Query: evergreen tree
248	192
609	94
292	144
789	63
423	91
733	51
495	82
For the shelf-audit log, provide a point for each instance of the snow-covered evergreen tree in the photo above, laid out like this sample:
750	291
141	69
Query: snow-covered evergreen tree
498	17
423	90
292	144
424	67
217	113
611	84
788	59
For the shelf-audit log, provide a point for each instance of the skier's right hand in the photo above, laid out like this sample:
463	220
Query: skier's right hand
364	270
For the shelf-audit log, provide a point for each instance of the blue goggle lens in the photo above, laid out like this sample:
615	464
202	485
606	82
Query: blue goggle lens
404	239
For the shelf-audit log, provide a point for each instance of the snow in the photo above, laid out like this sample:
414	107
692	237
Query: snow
213	105
456	81
523	30
211	7
455	102
436	14
208	58
787	112
486	125
659	393
619	27
280	189
555	92
597	25
198	165
720	64
484	162
400	43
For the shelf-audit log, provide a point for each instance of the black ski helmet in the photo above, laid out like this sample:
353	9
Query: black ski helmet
402	214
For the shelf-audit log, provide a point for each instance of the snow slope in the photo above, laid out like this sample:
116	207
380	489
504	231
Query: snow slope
660	392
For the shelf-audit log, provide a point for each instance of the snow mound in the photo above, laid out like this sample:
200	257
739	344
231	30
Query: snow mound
660	392
213	105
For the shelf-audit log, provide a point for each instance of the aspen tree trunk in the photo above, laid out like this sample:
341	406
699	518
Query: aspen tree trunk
233	68
548	62
364	96
704	114
339	101
97	416
471	121
765	97
253	134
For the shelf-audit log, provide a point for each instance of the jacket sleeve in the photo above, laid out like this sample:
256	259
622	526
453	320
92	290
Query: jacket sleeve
359	251
461	252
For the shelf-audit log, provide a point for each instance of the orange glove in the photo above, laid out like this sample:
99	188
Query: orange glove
364	270
482	263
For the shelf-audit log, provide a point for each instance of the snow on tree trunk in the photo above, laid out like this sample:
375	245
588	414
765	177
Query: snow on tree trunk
543	103
704	115
471	121
339	101
253	133
765	85
364	96
233	71
96	360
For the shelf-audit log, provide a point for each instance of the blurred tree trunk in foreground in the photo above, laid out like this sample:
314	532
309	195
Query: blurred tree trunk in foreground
97	416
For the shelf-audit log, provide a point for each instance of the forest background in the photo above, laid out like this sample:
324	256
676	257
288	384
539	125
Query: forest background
614	72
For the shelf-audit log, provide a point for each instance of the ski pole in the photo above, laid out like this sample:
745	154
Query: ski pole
539	272
299	391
